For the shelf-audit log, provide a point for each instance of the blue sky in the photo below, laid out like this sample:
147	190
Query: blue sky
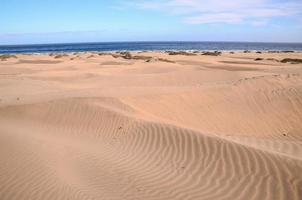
49	21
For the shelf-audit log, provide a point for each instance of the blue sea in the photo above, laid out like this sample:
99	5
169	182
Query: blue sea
150	46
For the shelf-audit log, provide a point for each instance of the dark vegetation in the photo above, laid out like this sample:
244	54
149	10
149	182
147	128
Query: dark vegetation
208	53
183	53
5	57
291	60
128	56
258	59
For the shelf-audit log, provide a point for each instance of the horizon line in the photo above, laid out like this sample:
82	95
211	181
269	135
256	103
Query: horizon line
144	41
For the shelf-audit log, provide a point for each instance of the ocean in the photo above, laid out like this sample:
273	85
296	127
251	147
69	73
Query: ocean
150	46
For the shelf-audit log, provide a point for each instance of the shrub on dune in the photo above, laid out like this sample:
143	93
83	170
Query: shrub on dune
60	56
215	53
4	57
291	60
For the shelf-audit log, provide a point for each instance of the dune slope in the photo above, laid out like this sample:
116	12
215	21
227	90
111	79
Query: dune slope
79	149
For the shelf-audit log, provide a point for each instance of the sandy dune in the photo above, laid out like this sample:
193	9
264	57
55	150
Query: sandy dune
89	126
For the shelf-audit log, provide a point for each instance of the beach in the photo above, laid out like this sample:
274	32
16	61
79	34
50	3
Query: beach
151	125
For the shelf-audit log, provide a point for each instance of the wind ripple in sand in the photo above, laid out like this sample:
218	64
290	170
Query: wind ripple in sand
81	149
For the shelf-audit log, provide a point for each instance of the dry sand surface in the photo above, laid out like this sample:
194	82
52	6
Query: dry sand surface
177	127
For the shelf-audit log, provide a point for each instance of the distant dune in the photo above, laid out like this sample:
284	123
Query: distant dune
149	125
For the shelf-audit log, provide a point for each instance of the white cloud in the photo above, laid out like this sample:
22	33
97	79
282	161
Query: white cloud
232	18
255	12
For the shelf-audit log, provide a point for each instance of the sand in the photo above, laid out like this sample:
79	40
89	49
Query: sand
88	126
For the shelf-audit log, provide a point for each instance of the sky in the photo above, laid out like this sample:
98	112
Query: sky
66	21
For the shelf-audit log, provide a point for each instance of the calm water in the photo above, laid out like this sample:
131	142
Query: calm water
140	46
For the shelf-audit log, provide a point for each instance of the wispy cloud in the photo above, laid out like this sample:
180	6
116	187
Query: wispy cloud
255	12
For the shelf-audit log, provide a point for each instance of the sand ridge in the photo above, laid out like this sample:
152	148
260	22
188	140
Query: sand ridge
203	127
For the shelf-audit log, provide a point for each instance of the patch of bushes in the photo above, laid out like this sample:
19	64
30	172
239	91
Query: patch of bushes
4	57
208	53
183	53
291	60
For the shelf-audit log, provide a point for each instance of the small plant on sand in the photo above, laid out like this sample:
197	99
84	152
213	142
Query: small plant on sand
60	56
183	53
4	57
208	53
258	59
